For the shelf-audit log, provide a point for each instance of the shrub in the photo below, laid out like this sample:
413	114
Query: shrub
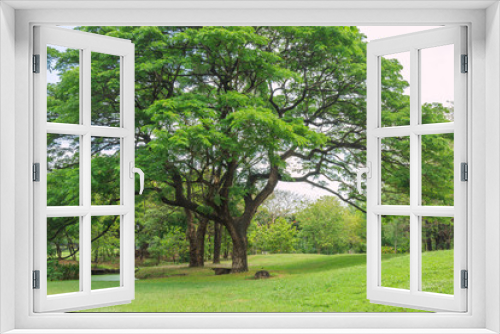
61	272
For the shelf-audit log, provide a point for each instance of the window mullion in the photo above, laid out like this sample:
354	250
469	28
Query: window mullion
414	171
85	159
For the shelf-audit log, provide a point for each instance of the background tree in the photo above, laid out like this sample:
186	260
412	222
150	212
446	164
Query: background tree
281	204
279	236
324	228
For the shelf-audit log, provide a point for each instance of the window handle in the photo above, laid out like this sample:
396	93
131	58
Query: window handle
134	170
368	171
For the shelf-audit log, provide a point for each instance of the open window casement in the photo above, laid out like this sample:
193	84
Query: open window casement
91	133
387	133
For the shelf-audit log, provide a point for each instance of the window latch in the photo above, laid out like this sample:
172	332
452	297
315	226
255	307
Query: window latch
368	171
134	170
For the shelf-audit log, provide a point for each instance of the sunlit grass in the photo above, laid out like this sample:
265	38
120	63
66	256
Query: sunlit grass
437	271
300	283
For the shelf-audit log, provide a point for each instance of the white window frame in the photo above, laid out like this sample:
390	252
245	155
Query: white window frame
87	43
414	43
484	101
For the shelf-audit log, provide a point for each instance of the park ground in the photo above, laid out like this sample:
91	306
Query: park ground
299	283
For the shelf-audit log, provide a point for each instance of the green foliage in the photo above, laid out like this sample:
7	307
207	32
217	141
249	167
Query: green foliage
59	272
105	240
395	236
154	219
395	105
171	245
63	97
277	237
438	169
327	227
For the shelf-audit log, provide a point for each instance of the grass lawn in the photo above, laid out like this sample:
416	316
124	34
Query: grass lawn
300	283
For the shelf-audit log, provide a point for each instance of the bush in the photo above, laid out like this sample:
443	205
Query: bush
387	250
61	272
277	237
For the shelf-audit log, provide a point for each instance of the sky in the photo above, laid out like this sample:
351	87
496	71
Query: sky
436	84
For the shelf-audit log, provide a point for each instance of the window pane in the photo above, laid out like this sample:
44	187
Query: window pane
63	85
395	89
395	171
105	90
63	258
63	170
437	254
105	171
437	84
437	169
395	255
105	252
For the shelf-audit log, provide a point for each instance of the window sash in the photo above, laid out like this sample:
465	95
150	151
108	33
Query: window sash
86	297
415	298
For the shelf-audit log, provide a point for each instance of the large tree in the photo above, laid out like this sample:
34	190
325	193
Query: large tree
247	104
225	113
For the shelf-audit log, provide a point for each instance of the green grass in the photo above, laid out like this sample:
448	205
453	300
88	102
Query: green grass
300	283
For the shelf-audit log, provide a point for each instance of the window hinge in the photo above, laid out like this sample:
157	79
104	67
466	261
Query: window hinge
464	171
465	279
36	172
36	279
465	64
36	63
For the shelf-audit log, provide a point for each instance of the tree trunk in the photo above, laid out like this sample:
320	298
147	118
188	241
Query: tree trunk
72	250
429	244
196	239
226	244
58	251
238	233
209	248
142	251
191	236
96	258
217	242
200	242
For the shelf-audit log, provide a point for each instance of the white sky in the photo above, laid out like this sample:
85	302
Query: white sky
436	83
436	64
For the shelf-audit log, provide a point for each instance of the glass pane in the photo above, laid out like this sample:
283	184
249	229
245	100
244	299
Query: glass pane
395	252
395	91
63	258
437	84
105	88
63	85
437	254
63	170
105	171
437	169
395	171
105	252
